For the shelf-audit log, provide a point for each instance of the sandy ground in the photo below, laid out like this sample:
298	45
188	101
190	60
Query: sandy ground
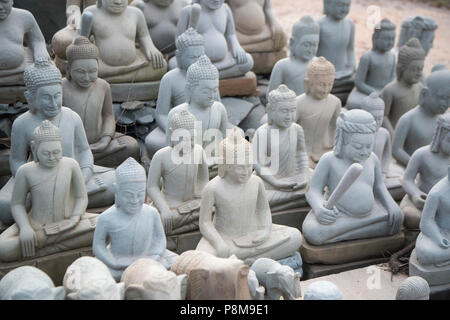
289	11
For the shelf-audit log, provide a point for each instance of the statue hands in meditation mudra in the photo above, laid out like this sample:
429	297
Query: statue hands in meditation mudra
360	209
242	223
282	159
116	27
57	221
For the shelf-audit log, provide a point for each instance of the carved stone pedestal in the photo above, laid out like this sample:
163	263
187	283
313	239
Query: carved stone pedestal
139	91
238	87
263	62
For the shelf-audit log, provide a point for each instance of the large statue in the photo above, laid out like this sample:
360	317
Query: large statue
57	221
176	181
259	32
355	210
402	95
304	43
428	165
116	27
318	110
222	47
376	68
337	44
132	228
282	161
422	28
242	222
416	128
172	91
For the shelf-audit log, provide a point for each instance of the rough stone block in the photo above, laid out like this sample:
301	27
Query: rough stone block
138	91
435	276
238	87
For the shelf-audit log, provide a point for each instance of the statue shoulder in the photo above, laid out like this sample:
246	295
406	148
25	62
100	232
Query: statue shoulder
18	13
70	162
335	100
105	218
70	114
150	211
26	169
21	122
440	189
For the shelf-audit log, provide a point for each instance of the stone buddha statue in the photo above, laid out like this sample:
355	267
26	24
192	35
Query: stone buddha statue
242	224
402	95
58	220
427	166
190	47
222	47
318	109
360	209
178	173
282	160
259	32
90	97
376	68
132	228
162	19
422	28
304	43
416	127
337	44
116	27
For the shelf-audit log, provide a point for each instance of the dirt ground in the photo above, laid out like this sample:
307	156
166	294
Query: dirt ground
289	11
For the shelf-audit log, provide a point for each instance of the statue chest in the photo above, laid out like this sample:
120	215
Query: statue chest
334	37
213	22
117	28
421	132
249	17
381	69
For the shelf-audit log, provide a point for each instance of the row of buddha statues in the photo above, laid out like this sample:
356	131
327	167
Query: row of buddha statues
348	163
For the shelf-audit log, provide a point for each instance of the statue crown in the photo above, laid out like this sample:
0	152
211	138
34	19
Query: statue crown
130	171
183	120
203	69
283	93
47	131
42	72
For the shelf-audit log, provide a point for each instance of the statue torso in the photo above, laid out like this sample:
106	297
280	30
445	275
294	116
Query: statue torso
12	31
249	16
421	130
442	214
403	100
294	73
381	69
213	26
432	169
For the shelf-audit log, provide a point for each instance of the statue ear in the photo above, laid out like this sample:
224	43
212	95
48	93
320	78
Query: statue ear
134	292
307	85
292	44
424	94
58	293
29	96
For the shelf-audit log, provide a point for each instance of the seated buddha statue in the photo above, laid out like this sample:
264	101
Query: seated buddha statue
420	27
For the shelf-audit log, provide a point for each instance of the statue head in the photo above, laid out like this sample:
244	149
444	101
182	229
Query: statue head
235	158
383	37
438	67
88	278
43	88
375	106
441	138
82	58
46	144
323	290
281	107
336	9
319	78
184	121
411	60
210	4
113	6
419	27
355	135
5	8
161	3
305	38
130	186
413	288
435	96
202	82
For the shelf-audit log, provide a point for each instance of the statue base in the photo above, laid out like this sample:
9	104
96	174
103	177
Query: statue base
12	94
263	62
238	87
54	265
435	276
351	251
138	91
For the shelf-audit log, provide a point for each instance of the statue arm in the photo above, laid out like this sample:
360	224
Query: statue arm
203	173
224	124
230	34
73	12
159	241
146	42
99	244
302	156
428	224
83	153
387	97
351	58
19	147
109	121
183	21
153	186
35	38
276	77
277	31
398	143
409	177
87	20
164	103
264	216
318	182
260	150
332	125
18	199
361	74
79	191
387	153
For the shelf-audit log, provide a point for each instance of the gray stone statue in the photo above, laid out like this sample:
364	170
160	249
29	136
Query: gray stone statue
422	28
416	127
376	68
323	290
413	288
134	229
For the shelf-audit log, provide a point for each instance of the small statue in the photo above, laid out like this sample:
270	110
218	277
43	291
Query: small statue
413	288
259	32
134	229
428	165
304	43
402	95
222	47
323	290
282	159
359	205
376	68
147	279
416	127
90	97
337	43
29	283
279	281
318	110
174	186
88	278
242	224
120	61
422	28
256	291
58	220
162	19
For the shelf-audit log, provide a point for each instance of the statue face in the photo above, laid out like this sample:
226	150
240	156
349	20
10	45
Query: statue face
115	6
190	55
306	48
413	73
358	147
438	100
162	3
320	86
130	196
283	114
385	41
427	40
49	153
239	173
339	9
5	8
204	95
212	4
445	143
84	72
48	100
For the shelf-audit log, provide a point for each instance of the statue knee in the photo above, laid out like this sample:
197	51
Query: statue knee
312	232
412	217
5	209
